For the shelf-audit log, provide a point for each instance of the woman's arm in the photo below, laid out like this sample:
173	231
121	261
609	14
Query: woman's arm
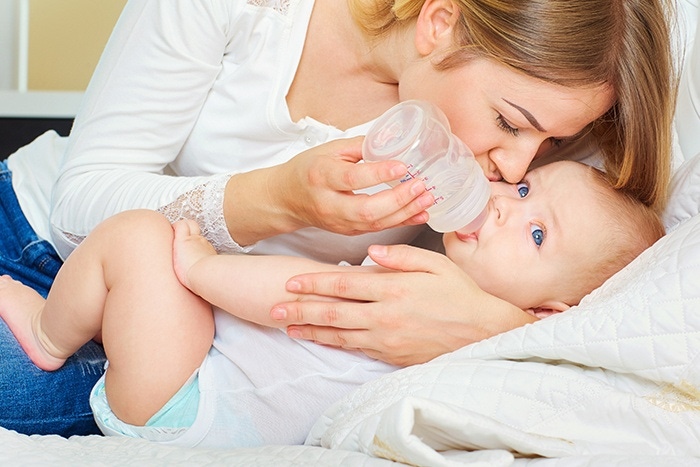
140	106
158	99
317	189
427	307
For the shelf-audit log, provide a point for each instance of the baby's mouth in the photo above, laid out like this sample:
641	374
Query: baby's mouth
467	236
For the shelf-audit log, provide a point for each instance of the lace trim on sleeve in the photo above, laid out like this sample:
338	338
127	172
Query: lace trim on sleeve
205	205
281	6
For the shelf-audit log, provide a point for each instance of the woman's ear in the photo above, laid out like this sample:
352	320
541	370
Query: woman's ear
548	309
435	25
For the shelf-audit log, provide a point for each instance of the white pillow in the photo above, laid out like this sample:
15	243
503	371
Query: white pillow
684	198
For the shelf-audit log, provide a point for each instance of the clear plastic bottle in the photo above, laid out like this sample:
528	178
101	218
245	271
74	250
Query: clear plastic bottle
418	134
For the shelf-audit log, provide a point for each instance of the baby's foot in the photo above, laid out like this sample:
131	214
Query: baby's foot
20	308
189	247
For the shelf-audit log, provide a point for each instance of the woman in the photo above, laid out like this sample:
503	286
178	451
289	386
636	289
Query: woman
235	99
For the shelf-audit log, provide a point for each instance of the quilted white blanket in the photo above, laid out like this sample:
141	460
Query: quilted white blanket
618	375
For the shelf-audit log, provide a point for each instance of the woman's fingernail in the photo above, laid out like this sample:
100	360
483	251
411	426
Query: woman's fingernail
417	188
398	171
378	251
278	313
293	286
294	333
427	200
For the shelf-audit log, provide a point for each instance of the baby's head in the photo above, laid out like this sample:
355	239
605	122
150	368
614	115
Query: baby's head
553	238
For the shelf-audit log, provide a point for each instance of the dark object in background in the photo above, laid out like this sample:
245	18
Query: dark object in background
17	132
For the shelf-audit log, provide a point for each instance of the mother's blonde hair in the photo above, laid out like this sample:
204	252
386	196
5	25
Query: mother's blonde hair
577	43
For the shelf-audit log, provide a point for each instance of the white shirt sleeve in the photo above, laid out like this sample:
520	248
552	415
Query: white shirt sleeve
205	205
141	105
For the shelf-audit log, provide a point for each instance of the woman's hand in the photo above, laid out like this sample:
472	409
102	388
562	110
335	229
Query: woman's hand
423	307
316	189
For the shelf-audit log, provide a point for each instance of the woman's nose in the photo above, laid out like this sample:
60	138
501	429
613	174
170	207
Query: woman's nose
512	165
489	167
491	170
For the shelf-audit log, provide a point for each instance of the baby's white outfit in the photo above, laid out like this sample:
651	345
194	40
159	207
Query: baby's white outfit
256	386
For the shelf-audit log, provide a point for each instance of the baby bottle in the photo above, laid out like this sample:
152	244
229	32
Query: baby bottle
418	134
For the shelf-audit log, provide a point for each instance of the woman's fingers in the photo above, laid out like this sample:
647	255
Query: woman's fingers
354	176
373	287
390	315
404	204
338	315
410	259
321	188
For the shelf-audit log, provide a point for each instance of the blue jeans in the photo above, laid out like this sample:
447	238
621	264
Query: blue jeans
33	401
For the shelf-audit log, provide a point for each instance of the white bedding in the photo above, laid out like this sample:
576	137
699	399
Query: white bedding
614	381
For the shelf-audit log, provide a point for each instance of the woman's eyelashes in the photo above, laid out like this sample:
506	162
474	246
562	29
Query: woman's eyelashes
505	126
538	232
511	130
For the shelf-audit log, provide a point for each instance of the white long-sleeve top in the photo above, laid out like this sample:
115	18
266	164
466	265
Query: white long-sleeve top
196	89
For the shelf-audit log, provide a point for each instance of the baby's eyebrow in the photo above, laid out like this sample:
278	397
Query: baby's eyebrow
530	118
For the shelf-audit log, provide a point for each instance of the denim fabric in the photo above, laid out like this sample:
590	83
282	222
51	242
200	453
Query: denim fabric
34	401
23	255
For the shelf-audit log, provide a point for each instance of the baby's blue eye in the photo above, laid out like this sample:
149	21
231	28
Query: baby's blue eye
523	189
537	235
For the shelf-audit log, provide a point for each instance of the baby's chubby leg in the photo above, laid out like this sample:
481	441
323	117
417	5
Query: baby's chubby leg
73	313
119	283
50	331
156	332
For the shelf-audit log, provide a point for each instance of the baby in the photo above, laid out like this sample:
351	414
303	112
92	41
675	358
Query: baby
179	374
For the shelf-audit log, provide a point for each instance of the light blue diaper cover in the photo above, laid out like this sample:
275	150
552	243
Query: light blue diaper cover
173	419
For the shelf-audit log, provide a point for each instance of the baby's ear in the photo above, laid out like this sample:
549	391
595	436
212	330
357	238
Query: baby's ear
548	309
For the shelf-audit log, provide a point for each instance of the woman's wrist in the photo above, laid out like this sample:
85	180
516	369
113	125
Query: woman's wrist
253	208
502	316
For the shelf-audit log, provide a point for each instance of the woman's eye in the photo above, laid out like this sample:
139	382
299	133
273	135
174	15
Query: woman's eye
503	125
523	189
537	234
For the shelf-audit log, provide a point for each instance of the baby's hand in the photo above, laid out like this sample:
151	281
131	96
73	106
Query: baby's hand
189	246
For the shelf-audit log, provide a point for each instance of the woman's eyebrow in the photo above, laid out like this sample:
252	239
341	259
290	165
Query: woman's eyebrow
530	118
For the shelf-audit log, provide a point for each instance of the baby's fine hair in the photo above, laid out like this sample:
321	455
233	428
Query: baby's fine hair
576	43
631	228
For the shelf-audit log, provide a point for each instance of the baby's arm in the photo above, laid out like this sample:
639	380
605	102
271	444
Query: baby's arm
244	285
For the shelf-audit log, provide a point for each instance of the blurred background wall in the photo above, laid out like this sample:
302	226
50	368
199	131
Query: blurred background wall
53	44
66	38
48	51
